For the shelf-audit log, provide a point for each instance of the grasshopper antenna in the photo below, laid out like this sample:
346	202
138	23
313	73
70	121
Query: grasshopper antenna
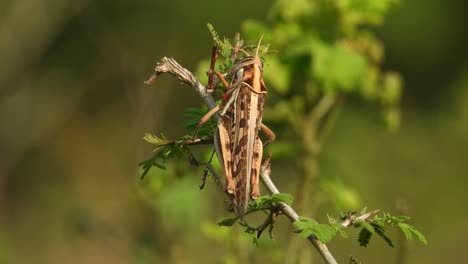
258	45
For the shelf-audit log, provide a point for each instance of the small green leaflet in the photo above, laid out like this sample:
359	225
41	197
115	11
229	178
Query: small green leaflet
155	140
263	202
382	232
225	44
409	231
364	237
268	200
228	222
164	150
308	226
365	225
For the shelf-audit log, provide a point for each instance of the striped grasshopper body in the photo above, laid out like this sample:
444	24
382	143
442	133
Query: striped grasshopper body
237	133
241	117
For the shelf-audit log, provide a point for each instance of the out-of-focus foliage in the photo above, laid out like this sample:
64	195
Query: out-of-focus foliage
326	47
73	110
343	197
3	251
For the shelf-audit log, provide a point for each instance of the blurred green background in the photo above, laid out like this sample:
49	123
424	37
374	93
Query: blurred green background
73	110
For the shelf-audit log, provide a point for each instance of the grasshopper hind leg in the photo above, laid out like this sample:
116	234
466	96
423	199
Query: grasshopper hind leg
224	143
257	162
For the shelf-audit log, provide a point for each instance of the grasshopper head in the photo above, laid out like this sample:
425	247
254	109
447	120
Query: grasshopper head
257	83
252	70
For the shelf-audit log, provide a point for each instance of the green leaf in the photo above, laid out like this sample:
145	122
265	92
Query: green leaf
214	34
163	152
339	230
224	67
365	225
225	44
380	230
282	197
267	201
308	226
380	223
226	48
162	167
409	231
337	67
364	237
390	219
228	222
155	140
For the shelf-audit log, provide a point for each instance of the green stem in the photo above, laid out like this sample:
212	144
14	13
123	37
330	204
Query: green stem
309	131
306	188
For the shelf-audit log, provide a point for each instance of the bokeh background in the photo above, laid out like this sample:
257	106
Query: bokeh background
73	110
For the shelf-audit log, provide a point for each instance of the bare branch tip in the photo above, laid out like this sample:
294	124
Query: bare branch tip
151	79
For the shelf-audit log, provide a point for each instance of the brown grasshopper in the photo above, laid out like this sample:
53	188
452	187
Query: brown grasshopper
237	133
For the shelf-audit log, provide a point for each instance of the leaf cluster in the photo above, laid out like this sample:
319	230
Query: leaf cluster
230	53
270	205
326	47
224	44
378	225
324	232
265	202
164	150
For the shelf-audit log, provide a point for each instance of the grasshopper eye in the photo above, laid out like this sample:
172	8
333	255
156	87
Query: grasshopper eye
261	65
